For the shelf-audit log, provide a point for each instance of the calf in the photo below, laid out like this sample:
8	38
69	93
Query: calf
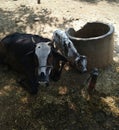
33	56
65	45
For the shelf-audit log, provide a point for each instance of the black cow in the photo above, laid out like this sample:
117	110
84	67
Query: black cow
34	57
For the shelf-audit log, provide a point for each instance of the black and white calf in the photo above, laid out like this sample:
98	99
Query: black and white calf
34	57
66	47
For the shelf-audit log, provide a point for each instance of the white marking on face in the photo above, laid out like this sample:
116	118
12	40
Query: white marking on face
42	51
84	64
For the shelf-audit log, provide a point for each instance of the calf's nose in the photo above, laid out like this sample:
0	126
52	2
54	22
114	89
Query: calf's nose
84	70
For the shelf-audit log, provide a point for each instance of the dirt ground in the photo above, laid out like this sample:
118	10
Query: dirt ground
61	106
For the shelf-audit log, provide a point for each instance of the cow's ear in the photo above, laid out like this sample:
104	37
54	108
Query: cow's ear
33	40
50	43
59	56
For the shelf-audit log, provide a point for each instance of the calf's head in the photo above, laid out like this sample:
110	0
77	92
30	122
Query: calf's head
46	57
81	63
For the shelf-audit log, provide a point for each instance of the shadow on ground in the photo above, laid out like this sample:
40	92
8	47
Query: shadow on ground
96	1
59	106
25	20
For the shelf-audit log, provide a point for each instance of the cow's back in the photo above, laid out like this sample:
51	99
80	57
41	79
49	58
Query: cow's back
15	49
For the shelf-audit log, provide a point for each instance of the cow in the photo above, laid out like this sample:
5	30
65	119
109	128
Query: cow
66	47
34	57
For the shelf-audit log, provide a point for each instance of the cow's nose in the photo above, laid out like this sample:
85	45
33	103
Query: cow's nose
42	77
42	80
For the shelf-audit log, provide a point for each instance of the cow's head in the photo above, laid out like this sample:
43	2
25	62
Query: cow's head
81	63
46	59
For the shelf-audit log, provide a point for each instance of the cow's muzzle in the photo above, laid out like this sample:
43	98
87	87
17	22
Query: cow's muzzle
42	80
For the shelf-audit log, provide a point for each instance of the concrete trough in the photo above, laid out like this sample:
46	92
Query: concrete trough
95	40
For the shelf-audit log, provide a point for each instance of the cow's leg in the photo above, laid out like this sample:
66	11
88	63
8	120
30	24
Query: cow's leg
28	85
33	86
30	74
57	70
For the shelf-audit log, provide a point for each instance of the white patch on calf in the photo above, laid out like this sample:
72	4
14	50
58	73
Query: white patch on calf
84	63
42	51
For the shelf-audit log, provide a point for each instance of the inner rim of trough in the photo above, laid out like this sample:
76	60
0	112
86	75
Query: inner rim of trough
92	30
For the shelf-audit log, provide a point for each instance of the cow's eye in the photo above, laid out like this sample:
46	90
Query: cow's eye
38	46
